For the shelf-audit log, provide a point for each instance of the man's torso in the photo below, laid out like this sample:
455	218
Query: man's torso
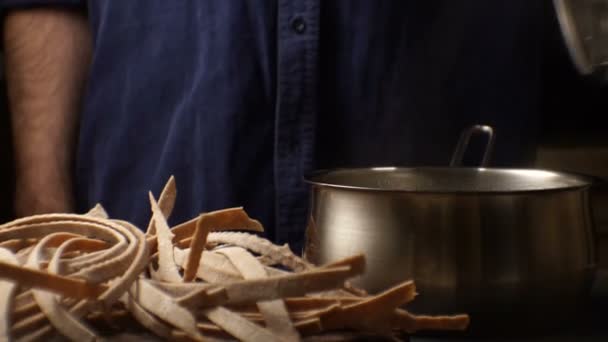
240	99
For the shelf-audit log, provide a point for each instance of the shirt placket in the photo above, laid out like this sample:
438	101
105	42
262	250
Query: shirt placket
298	44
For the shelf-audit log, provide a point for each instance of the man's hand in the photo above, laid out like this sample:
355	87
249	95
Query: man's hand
47	55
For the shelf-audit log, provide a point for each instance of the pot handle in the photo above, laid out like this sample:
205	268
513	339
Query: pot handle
463	143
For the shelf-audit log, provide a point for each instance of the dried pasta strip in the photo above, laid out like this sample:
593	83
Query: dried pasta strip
209	293
28	324
186	229
98	211
341	292
136	266
371	310
231	218
183	233
210	329
274	311
106	230
166	202
25	307
354	291
72	227
167	270
199	239
257	317
45	218
80	245
213	267
23	298
35	227
280	255
356	262
405	321
297	284
162	305
67	321
288	285
180	336
23	311
329	310
306	327
316	303
90	227
180	289
37	335
14	245
23	254
145	318
116	263
309	326
184	243
81	262
7	294
238	326
65	286
83	244
304	305
67	324
297	318
118	245
76	253
214	262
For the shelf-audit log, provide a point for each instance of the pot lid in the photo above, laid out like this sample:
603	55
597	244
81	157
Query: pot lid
448	179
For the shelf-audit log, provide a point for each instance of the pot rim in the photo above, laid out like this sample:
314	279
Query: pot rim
579	180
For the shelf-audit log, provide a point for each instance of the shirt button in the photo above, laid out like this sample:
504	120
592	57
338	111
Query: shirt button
298	25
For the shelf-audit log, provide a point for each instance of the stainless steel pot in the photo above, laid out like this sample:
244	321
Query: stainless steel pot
492	242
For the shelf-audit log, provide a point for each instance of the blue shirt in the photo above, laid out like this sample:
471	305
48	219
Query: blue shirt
239	99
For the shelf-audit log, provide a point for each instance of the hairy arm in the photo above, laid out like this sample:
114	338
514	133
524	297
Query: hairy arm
47	54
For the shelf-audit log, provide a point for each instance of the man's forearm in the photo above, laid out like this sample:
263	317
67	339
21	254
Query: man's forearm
47	54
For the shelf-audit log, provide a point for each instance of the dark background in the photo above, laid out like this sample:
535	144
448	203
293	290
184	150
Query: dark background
572	110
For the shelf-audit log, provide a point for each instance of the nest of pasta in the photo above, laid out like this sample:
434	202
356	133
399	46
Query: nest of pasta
90	277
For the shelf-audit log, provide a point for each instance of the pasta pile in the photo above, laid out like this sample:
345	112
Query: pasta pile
89	277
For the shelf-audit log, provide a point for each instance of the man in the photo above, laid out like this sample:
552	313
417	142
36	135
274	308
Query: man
240	99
